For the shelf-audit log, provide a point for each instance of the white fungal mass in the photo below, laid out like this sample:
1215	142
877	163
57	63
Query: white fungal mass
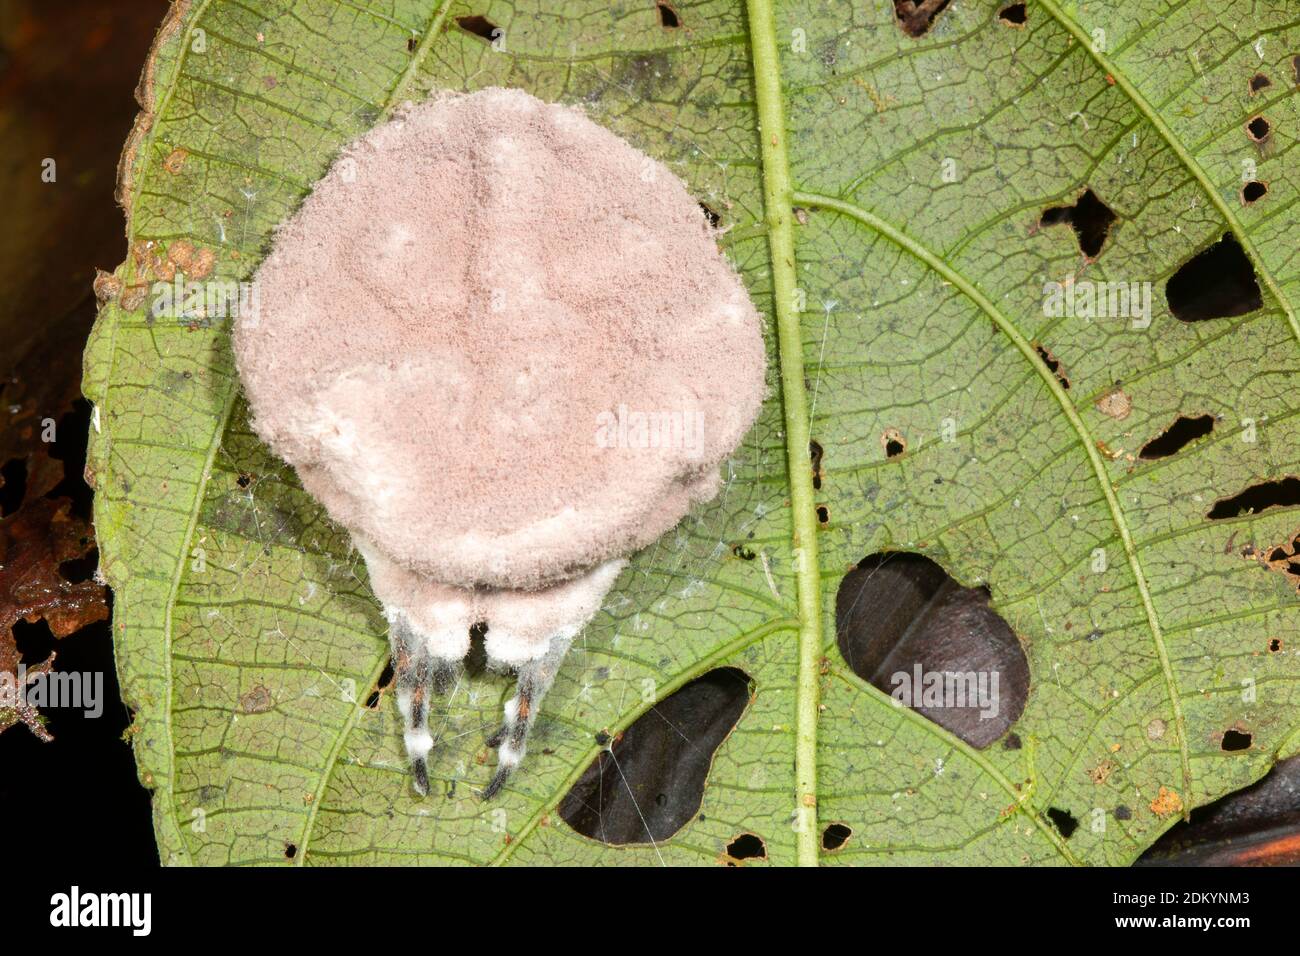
500	346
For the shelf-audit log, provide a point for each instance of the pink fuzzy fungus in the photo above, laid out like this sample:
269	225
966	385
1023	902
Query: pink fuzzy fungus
500	346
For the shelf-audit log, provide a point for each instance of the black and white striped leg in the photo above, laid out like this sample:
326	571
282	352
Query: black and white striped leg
413	671
535	678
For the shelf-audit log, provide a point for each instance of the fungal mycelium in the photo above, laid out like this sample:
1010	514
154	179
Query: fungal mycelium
500	346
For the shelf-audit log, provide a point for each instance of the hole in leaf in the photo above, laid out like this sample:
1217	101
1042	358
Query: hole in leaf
1284	559
906	627
1013	15
1253	191
1279	493
1234	740
34	640
747	846
1216	283
1256	826
894	443
1064	821
1089	217
80	570
1258	129
1177	436
668	16
650	782
1275	645
1259	82
710	215
1053	364
385	681
823	514
480	26
14	489
290	851
917	16
815	452
411	44
835	836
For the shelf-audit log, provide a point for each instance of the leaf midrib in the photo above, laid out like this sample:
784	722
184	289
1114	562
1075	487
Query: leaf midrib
778	212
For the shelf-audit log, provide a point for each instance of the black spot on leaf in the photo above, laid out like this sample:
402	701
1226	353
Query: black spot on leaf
650	782
668	16
917	16
906	627
1258	129
815	452
710	215
1216	283
894	442
835	836
1259	82
1064	821
1177	436
1089	217
385	681
1279	493
1253	191
1014	15
747	846
479	26
1053	364
1234	740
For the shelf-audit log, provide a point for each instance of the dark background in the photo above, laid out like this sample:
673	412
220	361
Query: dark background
68	70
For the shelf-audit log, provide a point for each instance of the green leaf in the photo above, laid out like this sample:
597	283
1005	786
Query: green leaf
882	195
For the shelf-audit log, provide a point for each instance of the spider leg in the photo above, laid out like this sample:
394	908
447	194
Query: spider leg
531	631
535	678
428	627
413	671
422	663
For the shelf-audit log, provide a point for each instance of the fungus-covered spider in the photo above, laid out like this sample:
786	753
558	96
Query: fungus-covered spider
500	346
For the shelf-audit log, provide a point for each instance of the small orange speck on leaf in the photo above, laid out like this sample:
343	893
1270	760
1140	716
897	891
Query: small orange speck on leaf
1166	802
